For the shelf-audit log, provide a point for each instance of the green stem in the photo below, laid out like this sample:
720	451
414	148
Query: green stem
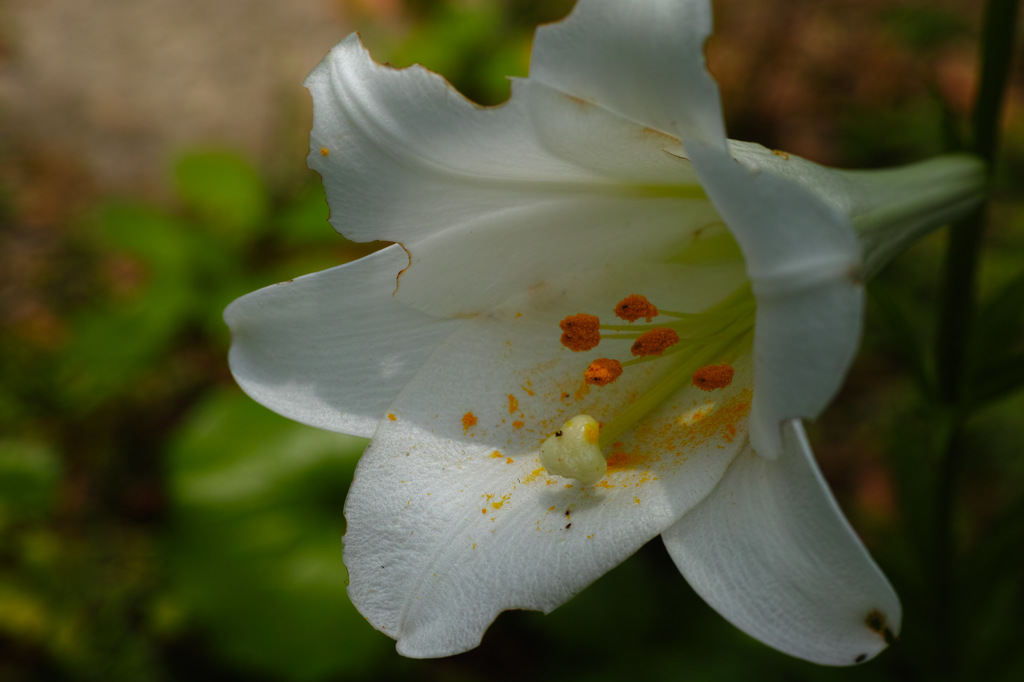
959	288
959	292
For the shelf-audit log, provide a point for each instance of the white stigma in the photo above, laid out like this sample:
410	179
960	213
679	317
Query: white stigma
574	451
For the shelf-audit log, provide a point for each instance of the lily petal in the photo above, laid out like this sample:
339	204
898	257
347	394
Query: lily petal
641	60
770	550
451	518
405	158
334	348
803	260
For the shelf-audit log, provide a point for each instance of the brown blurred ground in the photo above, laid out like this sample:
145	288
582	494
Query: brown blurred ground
117	87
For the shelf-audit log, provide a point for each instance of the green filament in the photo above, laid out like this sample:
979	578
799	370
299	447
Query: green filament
721	333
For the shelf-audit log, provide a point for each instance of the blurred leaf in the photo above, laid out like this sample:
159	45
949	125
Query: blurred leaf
875	136
163	243
904	337
256	541
924	27
29	474
1000	324
473	46
186	275
1002	379
224	191
112	348
304	221
23	615
996	360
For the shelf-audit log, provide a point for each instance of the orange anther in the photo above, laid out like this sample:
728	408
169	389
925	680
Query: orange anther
603	371
713	376
635	306
580	332
654	342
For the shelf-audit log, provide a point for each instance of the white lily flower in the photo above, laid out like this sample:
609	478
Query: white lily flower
510	467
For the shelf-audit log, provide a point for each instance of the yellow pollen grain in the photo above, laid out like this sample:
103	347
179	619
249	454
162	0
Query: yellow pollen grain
781	154
580	332
496	455
392	416
635	306
508	460
534	475
518	424
468	421
713	376
654	342
602	372
324	151
513	404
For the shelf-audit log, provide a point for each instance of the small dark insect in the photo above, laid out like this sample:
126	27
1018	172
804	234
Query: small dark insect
566	512
861	658
557	434
568	526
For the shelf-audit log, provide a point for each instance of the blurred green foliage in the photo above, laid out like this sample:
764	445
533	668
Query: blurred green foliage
253	549
156	524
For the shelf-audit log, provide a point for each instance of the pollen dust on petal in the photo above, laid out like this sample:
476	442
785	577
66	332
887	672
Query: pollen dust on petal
635	306
655	446
713	376
621	460
582	392
602	372
513	404
654	342
468	421
392	417
580	332
324	151
721	424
